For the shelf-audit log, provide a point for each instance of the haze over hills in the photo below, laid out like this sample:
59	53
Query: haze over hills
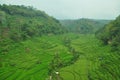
84	25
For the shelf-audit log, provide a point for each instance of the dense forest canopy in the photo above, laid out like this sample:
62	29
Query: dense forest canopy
18	23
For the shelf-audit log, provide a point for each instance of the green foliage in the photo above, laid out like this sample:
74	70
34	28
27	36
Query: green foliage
23	22
18	23
110	34
2	18
55	64
5	45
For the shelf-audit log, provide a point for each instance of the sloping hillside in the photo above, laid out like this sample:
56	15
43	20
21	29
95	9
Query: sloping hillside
19	23
110	34
109	67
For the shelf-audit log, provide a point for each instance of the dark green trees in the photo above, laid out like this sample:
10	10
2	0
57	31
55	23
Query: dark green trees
22	22
19	23
110	34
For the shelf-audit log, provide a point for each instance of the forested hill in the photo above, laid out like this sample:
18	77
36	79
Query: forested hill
110	34
84	25
19	23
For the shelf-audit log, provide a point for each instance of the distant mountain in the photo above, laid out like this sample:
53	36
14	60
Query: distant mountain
84	25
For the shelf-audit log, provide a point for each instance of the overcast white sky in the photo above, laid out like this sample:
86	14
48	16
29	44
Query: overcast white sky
73	9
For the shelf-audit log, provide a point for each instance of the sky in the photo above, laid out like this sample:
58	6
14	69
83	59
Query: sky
73	9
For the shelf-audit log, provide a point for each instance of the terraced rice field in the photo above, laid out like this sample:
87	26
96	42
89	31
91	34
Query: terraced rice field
29	60
89	60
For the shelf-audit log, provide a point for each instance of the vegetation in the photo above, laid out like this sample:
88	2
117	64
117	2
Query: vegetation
84	25
30	59
35	46
110	34
18	23
109	67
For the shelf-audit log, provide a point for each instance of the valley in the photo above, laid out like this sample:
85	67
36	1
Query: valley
36	46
